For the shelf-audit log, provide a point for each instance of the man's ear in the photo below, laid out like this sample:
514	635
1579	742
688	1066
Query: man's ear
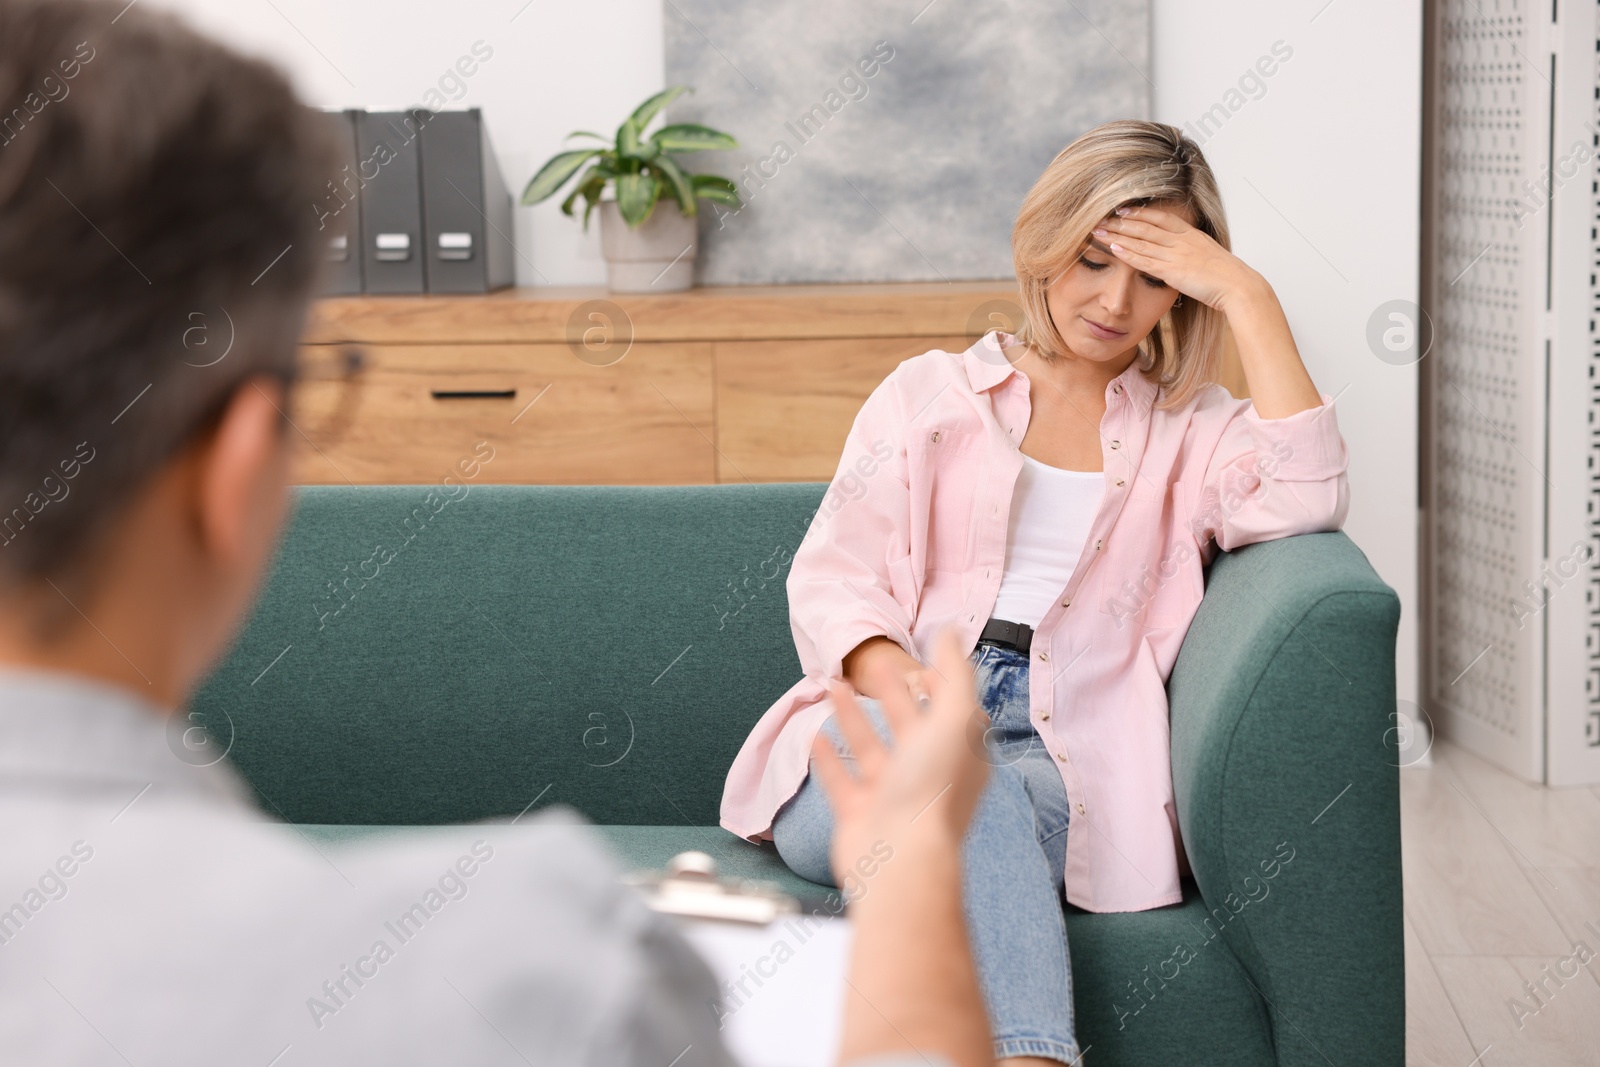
241	474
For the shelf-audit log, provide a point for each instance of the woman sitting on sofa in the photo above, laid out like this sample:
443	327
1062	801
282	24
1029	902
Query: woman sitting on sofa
1054	496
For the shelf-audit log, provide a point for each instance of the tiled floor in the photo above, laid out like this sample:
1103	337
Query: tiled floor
1502	882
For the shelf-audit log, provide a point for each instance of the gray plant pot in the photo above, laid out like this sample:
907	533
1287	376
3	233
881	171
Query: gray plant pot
658	257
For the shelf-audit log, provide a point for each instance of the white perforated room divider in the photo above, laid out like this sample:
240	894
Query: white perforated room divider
1513	395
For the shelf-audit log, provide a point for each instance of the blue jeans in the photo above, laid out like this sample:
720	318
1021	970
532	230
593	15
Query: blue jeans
1013	857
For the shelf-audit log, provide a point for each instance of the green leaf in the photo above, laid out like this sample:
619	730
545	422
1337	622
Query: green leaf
716	188
590	186
630	147
650	108
691	137
720	197
554	173
636	196
678	183
585	133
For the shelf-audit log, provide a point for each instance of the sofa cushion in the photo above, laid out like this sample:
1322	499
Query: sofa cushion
650	847
1160	986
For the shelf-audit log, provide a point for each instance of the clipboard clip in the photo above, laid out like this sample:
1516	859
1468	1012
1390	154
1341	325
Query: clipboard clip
690	888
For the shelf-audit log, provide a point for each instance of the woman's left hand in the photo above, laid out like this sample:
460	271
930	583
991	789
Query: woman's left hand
1163	245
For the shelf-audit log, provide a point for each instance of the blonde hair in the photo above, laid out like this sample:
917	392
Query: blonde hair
1125	162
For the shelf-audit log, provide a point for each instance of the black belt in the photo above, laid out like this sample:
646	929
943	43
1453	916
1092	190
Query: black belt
1017	635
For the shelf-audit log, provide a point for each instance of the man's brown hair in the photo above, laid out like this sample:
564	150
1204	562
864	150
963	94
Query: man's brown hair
158	247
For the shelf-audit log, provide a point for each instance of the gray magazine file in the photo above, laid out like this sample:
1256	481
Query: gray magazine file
391	200
339	212
466	207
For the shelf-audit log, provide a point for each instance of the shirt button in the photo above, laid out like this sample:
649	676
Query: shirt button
1045	656
1119	481
1080	809
1044	716
1099	543
1067	603
1114	444
1116	387
1061	756
936	436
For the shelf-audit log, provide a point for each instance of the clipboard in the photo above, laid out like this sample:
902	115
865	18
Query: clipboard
780	960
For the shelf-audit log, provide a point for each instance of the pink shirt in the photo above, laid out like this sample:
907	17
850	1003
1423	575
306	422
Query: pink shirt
911	536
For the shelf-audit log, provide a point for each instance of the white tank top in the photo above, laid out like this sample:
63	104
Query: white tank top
1051	512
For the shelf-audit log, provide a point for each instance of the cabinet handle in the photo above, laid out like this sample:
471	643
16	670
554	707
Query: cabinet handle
474	394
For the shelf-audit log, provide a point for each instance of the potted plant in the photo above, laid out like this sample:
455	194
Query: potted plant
646	250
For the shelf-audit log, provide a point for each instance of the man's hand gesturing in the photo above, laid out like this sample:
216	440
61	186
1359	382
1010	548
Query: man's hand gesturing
899	821
929	781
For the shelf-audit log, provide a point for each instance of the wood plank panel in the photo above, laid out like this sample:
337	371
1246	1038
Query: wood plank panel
1558	1023
1231	377
1573	896
1434	1037
1465	892
1547	827
645	420
1462	876
784	408
554	314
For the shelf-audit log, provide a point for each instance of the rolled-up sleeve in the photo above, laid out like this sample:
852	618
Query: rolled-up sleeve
1271	478
840	591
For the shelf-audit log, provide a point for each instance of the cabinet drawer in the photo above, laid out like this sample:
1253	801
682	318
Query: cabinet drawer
405	414
784	408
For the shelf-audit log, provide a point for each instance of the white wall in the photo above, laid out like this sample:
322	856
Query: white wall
556	67
1321	175
1319	165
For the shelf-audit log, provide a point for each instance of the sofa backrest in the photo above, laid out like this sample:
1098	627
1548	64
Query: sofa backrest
416	659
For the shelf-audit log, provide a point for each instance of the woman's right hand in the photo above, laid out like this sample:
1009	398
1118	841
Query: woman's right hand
918	685
879	667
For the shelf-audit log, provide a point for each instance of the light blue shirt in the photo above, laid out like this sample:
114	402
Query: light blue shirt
150	913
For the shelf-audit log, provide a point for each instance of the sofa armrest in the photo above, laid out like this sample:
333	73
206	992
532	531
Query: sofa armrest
1288	794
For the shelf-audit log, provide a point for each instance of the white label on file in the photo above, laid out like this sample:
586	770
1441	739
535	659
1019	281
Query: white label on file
393	247
455	246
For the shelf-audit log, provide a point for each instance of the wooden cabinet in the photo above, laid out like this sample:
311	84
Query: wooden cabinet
784	408
581	386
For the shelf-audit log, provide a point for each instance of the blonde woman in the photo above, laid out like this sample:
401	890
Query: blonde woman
1054	495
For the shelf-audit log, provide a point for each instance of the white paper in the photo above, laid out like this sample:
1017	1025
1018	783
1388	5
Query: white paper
782	986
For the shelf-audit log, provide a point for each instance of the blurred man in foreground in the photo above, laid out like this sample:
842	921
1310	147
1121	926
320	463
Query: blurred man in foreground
149	913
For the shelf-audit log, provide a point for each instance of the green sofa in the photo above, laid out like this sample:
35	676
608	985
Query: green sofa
418	657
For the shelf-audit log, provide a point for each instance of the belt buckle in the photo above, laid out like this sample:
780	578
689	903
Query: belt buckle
1012	634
